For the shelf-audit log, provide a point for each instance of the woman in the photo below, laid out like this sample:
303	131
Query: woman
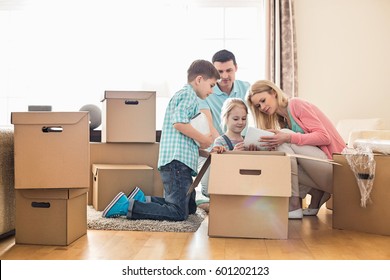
300	128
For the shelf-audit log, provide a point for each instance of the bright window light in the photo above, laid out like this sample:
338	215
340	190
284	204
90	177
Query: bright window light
66	53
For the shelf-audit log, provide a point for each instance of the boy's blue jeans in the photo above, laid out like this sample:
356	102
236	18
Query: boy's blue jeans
176	204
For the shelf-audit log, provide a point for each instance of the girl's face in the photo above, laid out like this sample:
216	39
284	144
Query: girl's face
236	119
266	102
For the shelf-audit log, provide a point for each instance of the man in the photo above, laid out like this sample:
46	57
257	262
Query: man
227	87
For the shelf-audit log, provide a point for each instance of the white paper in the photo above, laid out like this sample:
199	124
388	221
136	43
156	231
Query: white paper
200	123
253	135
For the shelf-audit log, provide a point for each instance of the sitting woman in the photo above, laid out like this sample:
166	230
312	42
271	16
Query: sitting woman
300	128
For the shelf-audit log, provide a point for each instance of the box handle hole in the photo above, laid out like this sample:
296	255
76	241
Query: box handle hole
131	102
40	204
365	176
255	172
48	129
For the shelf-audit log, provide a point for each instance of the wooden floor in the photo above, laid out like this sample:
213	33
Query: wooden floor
309	239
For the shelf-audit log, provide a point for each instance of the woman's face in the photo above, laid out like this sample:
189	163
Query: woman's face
266	102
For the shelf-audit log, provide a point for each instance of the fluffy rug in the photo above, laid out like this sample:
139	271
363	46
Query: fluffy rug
95	221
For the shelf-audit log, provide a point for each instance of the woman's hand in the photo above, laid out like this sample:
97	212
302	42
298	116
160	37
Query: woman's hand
272	142
239	147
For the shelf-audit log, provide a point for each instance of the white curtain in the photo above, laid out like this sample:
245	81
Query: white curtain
281	50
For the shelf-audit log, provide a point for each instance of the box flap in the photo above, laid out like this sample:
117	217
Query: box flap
52	193
131	95
47	118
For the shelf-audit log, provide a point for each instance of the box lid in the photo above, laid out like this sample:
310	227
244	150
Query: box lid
133	95
47	118
97	167
52	193
250	174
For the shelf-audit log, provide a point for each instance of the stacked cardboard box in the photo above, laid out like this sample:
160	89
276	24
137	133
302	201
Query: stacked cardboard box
51	153
128	154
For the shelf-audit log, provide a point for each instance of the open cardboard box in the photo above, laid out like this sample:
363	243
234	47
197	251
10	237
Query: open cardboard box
249	194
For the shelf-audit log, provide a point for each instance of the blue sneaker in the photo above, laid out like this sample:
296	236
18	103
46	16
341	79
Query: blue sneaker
137	194
117	207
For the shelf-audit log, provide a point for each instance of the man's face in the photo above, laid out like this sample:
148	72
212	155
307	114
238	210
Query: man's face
227	71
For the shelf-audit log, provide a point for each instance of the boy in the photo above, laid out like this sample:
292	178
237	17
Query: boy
178	157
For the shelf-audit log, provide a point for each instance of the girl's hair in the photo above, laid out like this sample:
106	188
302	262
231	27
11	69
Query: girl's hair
263	120
202	68
228	106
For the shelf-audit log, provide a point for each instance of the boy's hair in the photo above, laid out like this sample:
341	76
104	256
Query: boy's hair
228	106
202	68
224	56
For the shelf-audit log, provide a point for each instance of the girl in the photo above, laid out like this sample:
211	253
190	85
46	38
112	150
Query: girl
233	120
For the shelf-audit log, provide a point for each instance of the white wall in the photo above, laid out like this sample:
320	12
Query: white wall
344	56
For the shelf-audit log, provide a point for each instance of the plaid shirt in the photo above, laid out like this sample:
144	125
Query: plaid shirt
173	144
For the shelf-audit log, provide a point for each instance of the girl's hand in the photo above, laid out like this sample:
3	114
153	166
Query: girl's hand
239	147
218	149
279	138
252	147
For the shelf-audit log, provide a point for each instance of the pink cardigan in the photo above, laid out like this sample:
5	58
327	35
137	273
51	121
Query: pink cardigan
319	130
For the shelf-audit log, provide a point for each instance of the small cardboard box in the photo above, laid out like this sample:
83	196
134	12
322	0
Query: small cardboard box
110	179
51	150
347	212
50	216
127	153
129	116
249	194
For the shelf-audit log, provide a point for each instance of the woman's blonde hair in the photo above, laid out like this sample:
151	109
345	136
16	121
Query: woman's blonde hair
228	106
261	119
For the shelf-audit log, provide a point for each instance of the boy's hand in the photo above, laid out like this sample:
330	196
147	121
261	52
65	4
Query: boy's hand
206	142
218	149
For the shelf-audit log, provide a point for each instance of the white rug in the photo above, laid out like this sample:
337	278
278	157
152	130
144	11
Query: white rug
95	221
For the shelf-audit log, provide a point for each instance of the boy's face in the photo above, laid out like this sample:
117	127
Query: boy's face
204	87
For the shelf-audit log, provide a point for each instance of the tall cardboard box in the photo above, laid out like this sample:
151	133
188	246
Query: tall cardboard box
110	179
249	194
347	211
50	216
51	149
129	116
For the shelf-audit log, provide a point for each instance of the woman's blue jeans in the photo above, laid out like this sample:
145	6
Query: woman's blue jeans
176	204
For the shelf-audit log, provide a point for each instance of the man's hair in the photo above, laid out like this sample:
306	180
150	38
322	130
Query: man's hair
224	56
202	68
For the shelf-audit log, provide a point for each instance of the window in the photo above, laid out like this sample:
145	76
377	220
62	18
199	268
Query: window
66	53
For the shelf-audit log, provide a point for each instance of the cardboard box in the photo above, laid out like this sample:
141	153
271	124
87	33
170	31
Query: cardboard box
129	116
127	153
51	150
249	195
50	216
110	179
347	211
